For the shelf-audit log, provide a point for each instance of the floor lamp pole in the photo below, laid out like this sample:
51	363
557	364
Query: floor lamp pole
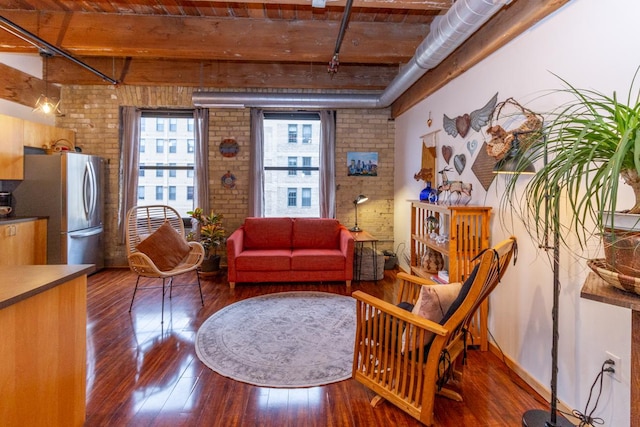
539	417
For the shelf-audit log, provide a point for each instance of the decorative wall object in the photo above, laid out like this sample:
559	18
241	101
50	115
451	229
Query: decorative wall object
362	163
447	152
521	120
228	180
459	162
429	143
478	118
229	147
483	167
472	146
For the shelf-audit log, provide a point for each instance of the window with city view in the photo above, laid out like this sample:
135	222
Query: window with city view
166	160
291	164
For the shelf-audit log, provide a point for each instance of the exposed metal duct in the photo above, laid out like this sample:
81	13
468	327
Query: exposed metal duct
447	33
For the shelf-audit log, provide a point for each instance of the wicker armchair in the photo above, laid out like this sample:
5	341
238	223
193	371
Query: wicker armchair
410	377
142	222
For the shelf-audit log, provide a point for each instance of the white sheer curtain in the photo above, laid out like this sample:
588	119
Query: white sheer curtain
201	167
129	162
327	175
256	163
327	164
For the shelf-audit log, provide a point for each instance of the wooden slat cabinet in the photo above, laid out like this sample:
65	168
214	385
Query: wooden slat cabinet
11	151
23	242
466	229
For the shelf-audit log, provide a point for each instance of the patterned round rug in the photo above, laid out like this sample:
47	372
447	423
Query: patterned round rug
288	339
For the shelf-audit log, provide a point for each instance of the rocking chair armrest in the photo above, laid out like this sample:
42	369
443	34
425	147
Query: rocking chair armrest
415	279
401	314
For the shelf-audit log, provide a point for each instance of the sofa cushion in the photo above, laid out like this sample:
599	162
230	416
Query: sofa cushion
267	233
316	233
317	260
165	247
264	260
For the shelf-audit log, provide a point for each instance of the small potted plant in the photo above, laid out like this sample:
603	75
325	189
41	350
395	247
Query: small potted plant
209	231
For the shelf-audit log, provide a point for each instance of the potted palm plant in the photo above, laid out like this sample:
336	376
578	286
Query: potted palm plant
209	231
591	146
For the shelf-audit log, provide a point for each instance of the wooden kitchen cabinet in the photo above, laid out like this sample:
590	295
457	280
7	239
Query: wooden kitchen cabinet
17	133
23	242
11	151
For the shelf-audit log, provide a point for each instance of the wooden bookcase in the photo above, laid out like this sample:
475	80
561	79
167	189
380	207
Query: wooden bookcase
466	229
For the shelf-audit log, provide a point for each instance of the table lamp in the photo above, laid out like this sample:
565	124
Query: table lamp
360	199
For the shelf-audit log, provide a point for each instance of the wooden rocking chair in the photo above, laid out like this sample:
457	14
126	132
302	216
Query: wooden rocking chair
409	376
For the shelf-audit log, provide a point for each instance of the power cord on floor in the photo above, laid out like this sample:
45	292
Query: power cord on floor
589	420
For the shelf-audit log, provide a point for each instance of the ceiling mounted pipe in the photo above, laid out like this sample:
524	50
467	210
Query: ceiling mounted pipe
45	46
334	62
447	33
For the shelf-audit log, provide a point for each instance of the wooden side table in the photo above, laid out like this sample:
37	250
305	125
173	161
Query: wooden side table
360	238
596	289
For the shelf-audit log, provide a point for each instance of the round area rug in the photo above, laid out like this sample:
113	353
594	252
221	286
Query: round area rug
288	339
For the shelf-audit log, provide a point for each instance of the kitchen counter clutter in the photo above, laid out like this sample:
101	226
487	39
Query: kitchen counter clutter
43	312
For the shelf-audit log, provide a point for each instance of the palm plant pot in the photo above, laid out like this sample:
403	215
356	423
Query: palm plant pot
210	264
622	251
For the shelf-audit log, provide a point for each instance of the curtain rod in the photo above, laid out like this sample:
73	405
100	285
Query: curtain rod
48	47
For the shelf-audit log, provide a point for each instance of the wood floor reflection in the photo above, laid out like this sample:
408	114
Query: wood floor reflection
141	372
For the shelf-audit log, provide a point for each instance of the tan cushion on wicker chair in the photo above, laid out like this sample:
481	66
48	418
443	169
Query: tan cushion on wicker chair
165	247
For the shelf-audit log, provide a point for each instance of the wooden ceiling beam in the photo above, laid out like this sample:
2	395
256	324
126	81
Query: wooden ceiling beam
505	26
94	34
23	88
377	4
222	74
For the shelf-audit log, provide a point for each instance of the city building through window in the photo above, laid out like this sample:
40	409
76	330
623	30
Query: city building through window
172	129
291	162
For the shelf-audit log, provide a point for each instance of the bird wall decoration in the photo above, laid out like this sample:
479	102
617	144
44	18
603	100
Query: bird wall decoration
478	118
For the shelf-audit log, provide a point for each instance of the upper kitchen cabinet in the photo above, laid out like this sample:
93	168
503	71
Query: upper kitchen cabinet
16	133
38	134
11	151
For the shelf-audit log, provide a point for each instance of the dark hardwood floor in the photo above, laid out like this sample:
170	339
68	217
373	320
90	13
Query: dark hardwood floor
141	372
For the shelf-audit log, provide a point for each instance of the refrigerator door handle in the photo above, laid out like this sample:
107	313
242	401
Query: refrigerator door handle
81	234
89	186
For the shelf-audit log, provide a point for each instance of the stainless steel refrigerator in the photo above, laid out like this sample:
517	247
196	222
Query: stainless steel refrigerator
67	188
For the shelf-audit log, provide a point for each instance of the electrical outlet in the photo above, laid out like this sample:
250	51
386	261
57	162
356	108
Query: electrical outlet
617	366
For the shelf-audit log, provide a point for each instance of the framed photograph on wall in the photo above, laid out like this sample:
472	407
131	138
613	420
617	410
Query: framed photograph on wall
362	163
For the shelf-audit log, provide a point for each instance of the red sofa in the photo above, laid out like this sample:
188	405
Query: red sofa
290	250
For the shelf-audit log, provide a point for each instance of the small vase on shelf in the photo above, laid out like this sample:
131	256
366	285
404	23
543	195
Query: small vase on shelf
429	194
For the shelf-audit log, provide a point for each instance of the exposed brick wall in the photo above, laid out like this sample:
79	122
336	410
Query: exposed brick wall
92	111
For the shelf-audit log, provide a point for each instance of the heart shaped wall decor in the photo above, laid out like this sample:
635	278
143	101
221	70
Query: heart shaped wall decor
471	146
459	162
447	151
463	123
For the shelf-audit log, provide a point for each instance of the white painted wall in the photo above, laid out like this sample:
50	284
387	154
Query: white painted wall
590	46
30	64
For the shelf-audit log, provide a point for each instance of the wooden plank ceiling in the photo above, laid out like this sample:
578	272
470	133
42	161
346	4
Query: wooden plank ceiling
281	44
